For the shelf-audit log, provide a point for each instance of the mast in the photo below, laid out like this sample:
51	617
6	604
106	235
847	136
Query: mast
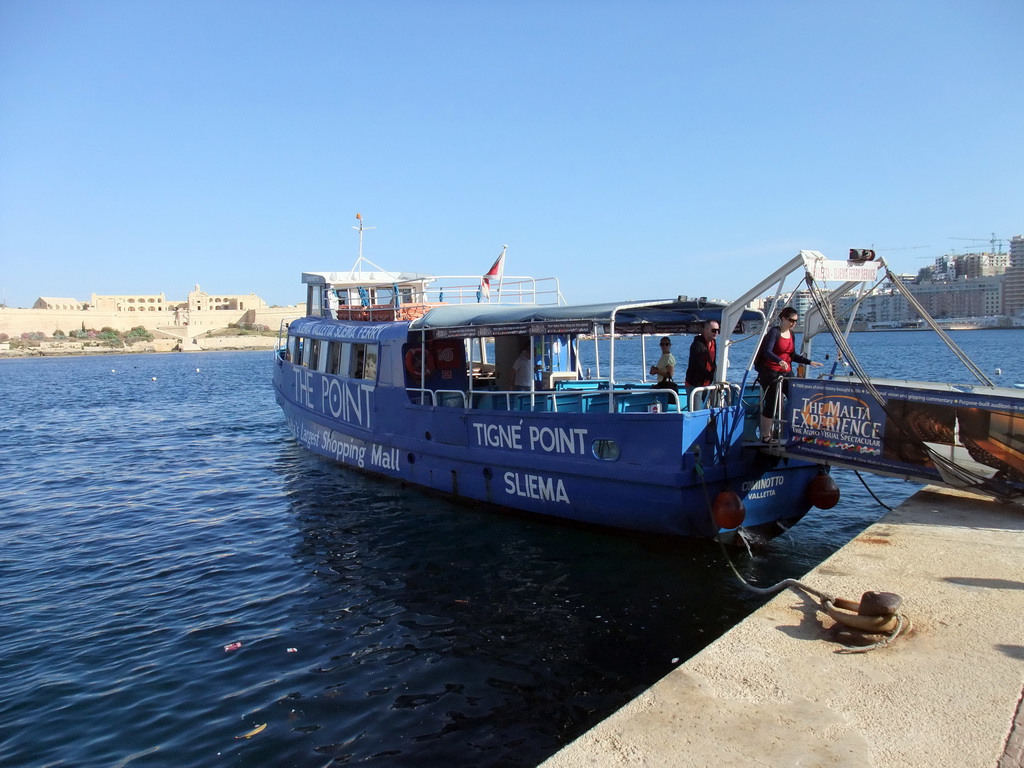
359	261
359	217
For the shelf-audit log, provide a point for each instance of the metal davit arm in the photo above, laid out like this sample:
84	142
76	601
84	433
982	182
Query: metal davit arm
732	313
961	355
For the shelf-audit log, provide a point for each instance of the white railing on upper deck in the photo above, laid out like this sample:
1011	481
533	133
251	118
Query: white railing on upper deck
466	289
445	291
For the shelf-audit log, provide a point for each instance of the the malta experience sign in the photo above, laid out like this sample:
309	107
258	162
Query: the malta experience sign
979	432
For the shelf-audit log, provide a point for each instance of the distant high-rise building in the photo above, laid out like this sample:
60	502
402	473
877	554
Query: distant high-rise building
969	265
963	297
1013	288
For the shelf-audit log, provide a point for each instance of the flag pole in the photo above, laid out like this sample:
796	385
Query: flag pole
501	275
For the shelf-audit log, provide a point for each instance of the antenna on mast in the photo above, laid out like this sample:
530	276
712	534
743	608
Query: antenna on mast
359	216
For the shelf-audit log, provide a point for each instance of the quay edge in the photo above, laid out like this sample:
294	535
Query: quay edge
774	692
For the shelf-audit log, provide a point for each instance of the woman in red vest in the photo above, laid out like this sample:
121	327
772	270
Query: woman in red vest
775	367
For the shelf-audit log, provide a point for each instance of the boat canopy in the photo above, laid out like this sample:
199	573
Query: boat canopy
647	317
354	278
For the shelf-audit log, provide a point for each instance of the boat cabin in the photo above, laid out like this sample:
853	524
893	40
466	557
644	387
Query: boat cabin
455	341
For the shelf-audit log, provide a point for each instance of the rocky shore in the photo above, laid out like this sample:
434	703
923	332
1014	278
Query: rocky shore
74	348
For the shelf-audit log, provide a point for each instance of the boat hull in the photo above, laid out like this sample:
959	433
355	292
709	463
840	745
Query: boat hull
666	471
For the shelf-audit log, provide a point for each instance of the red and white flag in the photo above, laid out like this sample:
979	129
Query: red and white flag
494	273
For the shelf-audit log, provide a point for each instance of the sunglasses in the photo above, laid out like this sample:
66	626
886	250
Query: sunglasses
716	330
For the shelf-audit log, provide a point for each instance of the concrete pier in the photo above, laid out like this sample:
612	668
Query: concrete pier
776	690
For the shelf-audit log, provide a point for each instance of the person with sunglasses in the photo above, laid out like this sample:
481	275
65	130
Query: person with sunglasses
700	371
666	366
774	364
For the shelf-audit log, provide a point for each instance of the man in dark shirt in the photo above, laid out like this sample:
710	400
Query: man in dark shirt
701	369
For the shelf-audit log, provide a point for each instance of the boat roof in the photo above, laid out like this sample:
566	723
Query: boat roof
655	316
364	278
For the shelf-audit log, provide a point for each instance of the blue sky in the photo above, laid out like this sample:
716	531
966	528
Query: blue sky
633	149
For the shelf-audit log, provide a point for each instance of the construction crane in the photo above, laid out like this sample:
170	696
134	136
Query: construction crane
995	242
905	248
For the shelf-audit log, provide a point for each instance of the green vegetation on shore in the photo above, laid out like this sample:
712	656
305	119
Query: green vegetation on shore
241	329
106	336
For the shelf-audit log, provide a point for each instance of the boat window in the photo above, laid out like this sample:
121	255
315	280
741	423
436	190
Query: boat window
345	361
325	347
314	353
306	347
363	362
315	301
370	362
295	348
605	449
334	357
355	370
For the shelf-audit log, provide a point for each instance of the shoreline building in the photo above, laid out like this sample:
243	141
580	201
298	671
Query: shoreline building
1013	289
129	303
985	287
59	304
962	285
199	313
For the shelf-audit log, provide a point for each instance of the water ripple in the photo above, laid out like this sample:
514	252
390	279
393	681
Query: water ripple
148	526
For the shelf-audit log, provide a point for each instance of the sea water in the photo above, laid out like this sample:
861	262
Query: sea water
182	585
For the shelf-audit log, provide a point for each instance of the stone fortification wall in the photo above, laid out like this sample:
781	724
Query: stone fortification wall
15	322
232	342
272	317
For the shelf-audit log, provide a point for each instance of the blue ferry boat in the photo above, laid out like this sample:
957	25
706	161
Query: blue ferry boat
409	376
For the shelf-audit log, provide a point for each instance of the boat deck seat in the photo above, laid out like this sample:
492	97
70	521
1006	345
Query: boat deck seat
643	402
580	384
569	401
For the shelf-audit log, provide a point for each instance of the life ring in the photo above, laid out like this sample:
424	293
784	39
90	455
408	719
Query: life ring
413	359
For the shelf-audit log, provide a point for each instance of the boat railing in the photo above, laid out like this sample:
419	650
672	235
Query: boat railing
383	312
445	291
597	399
721	394
451	289
637	400
281	350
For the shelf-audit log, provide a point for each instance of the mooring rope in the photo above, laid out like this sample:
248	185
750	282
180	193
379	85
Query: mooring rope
825	601
865	484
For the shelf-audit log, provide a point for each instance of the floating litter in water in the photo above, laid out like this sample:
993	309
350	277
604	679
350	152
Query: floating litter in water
999	371
232	646
112	370
675	659
153	379
253	732
293	650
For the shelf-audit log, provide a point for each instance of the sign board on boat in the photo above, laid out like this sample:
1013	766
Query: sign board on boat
928	434
829	269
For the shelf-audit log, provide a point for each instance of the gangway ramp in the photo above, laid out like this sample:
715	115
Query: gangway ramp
962	436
